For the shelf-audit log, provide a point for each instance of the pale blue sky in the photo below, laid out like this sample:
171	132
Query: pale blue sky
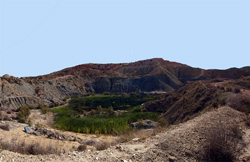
42	36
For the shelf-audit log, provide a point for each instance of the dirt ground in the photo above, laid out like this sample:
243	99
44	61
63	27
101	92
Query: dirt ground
176	143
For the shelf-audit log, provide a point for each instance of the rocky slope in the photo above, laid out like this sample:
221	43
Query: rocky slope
142	76
196	97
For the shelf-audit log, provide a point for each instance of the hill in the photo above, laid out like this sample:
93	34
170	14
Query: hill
197	97
153	75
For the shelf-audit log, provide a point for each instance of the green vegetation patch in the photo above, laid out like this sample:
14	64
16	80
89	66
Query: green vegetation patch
69	120
116	101
96	114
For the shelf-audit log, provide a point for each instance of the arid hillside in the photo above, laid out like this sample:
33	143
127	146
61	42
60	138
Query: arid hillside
197	97
153	75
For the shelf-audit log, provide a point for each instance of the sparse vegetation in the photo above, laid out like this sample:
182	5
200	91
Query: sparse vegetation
222	142
33	148
81	147
44	109
102	146
240	102
5	127
23	113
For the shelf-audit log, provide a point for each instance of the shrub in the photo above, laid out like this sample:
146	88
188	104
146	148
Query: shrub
102	146
65	98
23	113
5	127
222	102
240	102
90	142
43	108
236	90
34	148
215	104
222	143
54	104
81	147
136	109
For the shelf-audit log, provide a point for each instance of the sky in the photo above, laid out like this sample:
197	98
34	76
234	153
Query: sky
42	36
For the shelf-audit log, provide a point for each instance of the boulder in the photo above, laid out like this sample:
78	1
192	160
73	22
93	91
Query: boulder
28	130
145	124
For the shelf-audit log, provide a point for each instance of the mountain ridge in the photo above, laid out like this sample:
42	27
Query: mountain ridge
142	76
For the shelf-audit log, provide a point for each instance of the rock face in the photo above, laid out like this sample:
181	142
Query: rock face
142	76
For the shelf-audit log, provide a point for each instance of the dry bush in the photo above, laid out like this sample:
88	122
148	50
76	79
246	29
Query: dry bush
90	142
223	141
34	148
102	146
5	127
81	147
23	113
240	102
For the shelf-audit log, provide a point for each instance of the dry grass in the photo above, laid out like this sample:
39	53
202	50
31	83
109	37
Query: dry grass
222	143
34	148
240	102
102	146
5	127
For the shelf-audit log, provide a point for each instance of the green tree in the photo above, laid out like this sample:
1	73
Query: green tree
23	113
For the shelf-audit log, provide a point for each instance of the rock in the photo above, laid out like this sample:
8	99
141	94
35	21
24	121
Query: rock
172	159
28	130
145	124
52	134
124	160
135	139
119	148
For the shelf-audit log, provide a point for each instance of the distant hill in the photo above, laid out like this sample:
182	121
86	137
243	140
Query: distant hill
143	76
